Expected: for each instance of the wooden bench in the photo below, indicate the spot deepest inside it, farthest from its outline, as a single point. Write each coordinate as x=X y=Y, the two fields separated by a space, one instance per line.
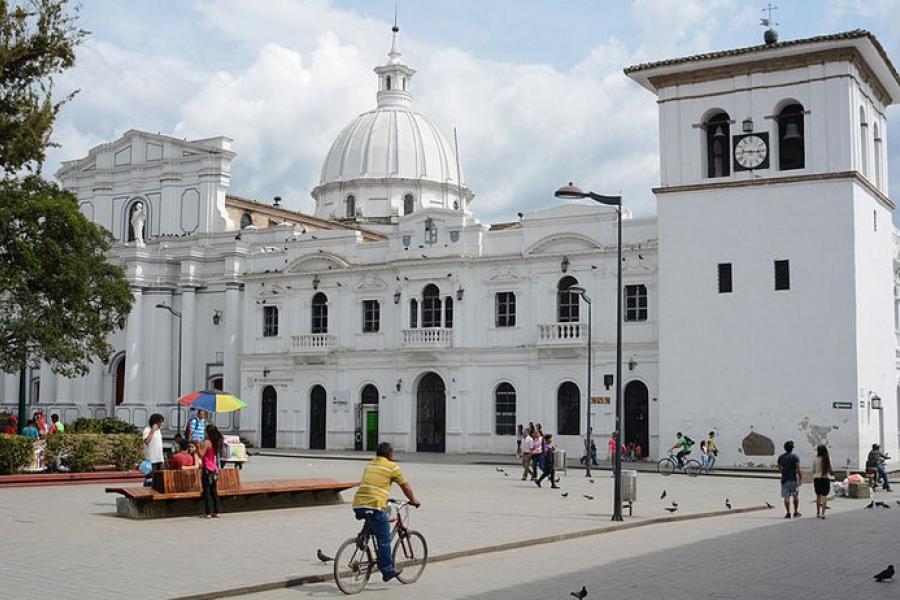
x=160 y=501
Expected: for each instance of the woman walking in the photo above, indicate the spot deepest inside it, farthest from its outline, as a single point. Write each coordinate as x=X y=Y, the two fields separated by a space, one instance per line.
x=209 y=450
x=549 y=465
x=821 y=472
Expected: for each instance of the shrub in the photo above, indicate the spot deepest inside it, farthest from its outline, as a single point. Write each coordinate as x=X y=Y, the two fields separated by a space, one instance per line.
x=81 y=452
x=16 y=453
x=105 y=425
x=125 y=450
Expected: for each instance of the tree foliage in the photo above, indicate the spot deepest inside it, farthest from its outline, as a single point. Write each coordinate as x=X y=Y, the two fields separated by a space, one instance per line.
x=38 y=39
x=59 y=296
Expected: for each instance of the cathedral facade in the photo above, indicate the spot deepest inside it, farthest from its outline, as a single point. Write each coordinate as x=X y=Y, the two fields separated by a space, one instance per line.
x=760 y=303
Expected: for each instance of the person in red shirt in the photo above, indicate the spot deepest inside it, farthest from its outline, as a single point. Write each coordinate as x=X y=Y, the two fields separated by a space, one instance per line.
x=184 y=458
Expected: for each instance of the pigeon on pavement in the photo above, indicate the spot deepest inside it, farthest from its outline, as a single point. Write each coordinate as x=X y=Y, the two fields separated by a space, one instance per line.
x=880 y=504
x=591 y=480
x=727 y=503
x=588 y=496
x=675 y=504
x=886 y=574
x=499 y=470
x=565 y=494
x=671 y=509
x=323 y=557
x=898 y=502
x=581 y=595
x=769 y=505
x=870 y=504
x=663 y=495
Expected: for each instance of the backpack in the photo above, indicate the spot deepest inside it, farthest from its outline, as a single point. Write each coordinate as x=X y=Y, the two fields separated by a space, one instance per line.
x=689 y=441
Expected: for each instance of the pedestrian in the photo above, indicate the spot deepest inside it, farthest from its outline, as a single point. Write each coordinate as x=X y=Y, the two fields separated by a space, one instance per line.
x=519 y=431
x=57 y=426
x=527 y=448
x=791 y=478
x=184 y=459
x=209 y=450
x=31 y=430
x=638 y=453
x=40 y=422
x=712 y=449
x=537 y=452
x=10 y=426
x=153 y=442
x=685 y=444
x=611 y=445
x=549 y=463
x=196 y=427
x=875 y=462
x=704 y=455
x=821 y=473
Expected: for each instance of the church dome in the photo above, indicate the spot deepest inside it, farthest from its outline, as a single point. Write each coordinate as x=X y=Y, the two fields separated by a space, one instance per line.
x=390 y=161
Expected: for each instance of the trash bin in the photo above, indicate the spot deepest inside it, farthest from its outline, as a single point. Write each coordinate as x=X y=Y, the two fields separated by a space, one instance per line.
x=629 y=486
x=559 y=461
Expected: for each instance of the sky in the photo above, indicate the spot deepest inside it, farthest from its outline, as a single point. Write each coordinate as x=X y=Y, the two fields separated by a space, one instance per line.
x=534 y=87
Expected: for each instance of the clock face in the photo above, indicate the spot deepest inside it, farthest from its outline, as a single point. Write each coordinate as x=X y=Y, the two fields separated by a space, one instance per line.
x=751 y=151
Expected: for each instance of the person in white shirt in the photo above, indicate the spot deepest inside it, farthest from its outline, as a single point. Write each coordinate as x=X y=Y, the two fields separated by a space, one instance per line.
x=153 y=442
x=527 y=449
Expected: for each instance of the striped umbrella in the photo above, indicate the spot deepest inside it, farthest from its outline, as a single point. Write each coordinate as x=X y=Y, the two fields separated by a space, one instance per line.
x=213 y=401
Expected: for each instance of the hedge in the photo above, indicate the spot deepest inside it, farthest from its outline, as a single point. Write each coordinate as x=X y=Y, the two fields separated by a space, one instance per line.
x=84 y=451
x=16 y=453
x=105 y=425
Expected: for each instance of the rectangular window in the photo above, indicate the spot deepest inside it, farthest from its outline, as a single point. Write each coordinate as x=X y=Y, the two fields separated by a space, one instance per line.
x=782 y=275
x=505 y=309
x=270 y=321
x=448 y=312
x=371 y=316
x=725 y=278
x=636 y=302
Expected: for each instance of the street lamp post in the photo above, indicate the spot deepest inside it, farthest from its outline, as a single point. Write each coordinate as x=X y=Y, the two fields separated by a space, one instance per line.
x=577 y=289
x=177 y=315
x=571 y=192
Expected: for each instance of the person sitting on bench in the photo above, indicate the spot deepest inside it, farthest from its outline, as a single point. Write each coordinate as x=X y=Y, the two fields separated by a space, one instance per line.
x=875 y=462
x=184 y=459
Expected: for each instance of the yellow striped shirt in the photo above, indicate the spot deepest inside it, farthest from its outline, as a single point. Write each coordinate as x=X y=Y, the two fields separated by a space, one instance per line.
x=375 y=487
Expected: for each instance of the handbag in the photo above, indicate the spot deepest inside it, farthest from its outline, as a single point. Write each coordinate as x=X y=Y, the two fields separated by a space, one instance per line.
x=145 y=467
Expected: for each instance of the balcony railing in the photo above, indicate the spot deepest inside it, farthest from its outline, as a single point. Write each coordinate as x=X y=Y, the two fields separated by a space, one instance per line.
x=427 y=338
x=562 y=333
x=311 y=343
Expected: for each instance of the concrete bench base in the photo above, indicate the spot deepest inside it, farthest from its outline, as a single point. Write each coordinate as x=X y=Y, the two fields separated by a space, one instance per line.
x=185 y=507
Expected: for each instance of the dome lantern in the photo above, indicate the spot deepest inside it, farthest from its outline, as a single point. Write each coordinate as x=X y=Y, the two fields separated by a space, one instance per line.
x=393 y=77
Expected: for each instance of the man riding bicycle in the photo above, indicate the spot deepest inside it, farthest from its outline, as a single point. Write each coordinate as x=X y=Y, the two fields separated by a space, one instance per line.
x=371 y=499
x=686 y=444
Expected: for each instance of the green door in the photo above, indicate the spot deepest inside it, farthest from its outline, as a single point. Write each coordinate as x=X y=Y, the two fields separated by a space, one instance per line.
x=371 y=429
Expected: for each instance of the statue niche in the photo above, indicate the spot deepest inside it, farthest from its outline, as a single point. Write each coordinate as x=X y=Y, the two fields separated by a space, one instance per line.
x=136 y=221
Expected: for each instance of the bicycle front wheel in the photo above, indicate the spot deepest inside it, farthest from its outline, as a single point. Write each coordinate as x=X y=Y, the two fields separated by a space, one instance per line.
x=665 y=467
x=410 y=553
x=352 y=566
x=692 y=468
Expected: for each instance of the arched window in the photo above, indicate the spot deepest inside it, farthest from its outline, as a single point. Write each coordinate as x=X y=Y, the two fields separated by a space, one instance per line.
x=388 y=83
x=790 y=138
x=505 y=409
x=369 y=394
x=568 y=409
x=718 y=133
x=351 y=206
x=413 y=313
x=431 y=306
x=319 y=313
x=448 y=312
x=409 y=204
x=863 y=142
x=878 y=157
x=566 y=302
x=246 y=220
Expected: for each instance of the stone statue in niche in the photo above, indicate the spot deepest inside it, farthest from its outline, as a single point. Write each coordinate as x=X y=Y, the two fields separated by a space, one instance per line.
x=138 y=218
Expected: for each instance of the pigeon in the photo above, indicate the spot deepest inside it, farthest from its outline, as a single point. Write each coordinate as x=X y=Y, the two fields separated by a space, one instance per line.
x=886 y=574
x=870 y=504
x=727 y=503
x=675 y=504
x=565 y=494
x=671 y=509
x=323 y=557
x=663 y=495
x=581 y=595
x=505 y=474
x=591 y=480
x=588 y=496
x=499 y=470
x=880 y=504
x=898 y=502
x=769 y=505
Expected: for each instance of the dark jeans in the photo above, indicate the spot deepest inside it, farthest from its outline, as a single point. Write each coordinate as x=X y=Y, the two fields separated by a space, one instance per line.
x=593 y=459
x=548 y=472
x=537 y=462
x=680 y=456
x=880 y=473
x=210 y=491
x=377 y=522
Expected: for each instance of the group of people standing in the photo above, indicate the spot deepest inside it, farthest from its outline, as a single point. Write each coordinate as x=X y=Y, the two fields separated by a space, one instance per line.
x=199 y=448
x=535 y=448
x=36 y=427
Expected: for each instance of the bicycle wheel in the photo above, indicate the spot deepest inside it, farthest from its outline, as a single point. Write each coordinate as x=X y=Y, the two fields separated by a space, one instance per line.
x=692 y=468
x=352 y=566
x=411 y=553
x=665 y=467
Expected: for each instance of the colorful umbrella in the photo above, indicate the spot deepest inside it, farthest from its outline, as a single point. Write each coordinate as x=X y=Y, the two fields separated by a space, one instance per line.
x=213 y=401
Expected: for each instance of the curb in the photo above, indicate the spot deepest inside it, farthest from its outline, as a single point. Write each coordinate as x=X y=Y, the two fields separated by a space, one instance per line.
x=549 y=539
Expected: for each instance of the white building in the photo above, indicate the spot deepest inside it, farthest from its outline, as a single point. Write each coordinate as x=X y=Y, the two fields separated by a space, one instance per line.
x=393 y=314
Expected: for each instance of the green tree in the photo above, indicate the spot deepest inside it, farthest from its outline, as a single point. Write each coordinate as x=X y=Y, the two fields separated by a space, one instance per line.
x=59 y=297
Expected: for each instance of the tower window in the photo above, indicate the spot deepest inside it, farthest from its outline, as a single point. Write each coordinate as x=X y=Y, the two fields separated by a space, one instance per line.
x=448 y=312
x=782 y=275
x=790 y=138
x=863 y=142
x=431 y=306
x=409 y=204
x=246 y=220
x=878 y=157
x=388 y=83
x=413 y=313
x=636 y=302
x=725 y=278
x=351 y=206
x=718 y=133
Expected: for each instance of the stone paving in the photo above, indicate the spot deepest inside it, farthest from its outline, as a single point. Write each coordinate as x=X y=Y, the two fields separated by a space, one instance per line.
x=72 y=533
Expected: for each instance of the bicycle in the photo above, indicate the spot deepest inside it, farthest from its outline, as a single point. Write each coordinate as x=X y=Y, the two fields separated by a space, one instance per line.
x=357 y=557
x=667 y=466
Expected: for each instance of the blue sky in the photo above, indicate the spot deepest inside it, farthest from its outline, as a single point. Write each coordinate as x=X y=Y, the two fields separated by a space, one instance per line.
x=534 y=86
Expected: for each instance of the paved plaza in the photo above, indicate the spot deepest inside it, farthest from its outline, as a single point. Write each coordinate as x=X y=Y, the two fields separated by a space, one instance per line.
x=73 y=532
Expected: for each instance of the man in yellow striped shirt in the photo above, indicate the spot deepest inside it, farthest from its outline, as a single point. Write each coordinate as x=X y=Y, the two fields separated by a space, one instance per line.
x=371 y=499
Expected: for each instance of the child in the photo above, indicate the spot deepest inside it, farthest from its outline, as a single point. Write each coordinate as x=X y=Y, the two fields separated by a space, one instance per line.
x=704 y=455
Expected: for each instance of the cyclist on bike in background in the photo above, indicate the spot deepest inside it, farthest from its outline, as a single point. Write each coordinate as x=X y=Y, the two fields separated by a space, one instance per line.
x=686 y=444
x=370 y=502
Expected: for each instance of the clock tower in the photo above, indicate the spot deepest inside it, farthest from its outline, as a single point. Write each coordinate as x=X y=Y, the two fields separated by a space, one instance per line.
x=776 y=247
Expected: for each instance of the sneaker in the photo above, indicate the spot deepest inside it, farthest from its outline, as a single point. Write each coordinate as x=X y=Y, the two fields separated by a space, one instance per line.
x=538 y=483
x=390 y=576
x=796 y=515
x=787 y=516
